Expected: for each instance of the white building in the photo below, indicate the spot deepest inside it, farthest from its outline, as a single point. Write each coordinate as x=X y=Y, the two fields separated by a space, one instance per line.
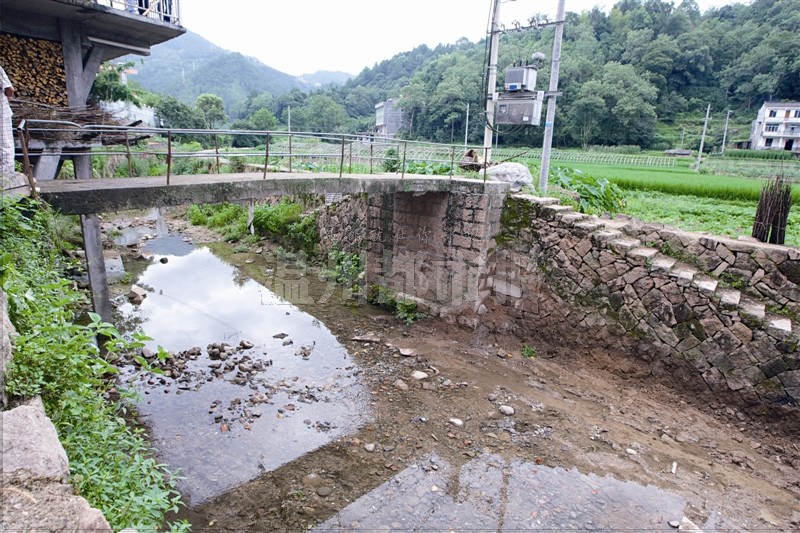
x=777 y=127
x=388 y=119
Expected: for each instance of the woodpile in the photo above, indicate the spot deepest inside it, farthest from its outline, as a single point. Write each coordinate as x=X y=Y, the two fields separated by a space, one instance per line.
x=36 y=69
x=772 y=212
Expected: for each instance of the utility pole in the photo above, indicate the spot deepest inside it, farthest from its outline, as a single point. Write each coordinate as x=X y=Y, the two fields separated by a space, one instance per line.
x=491 y=83
x=725 y=133
x=549 y=120
x=703 y=138
x=466 y=129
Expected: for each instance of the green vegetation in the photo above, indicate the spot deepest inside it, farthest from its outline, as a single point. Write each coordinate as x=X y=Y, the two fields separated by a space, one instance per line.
x=693 y=213
x=403 y=309
x=345 y=269
x=230 y=220
x=110 y=461
x=595 y=195
x=528 y=352
x=286 y=221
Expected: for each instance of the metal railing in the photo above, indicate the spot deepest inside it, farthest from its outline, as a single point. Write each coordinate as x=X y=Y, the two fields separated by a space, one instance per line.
x=274 y=151
x=164 y=10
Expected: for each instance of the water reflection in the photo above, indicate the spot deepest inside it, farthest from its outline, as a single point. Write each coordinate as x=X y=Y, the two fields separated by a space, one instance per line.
x=220 y=423
x=492 y=494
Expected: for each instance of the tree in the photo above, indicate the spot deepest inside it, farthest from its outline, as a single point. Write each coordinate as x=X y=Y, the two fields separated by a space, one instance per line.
x=321 y=114
x=175 y=114
x=263 y=120
x=108 y=85
x=212 y=109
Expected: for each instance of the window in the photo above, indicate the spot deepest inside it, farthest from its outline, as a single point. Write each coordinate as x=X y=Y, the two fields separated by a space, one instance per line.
x=773 y=113
x=772 y=126
x=797 y=113
x=768 y=143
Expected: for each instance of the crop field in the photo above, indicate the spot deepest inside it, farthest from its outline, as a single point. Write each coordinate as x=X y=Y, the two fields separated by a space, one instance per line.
x=731 y=218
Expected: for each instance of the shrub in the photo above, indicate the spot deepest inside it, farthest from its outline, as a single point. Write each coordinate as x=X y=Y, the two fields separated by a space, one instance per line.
x=285 y=220
x=595 y=194
x=344 y=268
x=386 y=298
x=111 y=464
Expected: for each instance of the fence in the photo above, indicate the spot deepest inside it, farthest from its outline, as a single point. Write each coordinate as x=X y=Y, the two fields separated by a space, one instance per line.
x=164 y=10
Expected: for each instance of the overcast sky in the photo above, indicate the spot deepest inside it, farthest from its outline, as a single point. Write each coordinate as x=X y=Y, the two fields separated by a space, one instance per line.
x=304 y=36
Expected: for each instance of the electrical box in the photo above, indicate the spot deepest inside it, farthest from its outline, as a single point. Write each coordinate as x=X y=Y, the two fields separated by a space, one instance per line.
x=519 y=110
x=520 y=79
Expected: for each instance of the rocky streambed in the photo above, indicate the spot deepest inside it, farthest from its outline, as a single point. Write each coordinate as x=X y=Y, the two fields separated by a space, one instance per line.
x=350 y=419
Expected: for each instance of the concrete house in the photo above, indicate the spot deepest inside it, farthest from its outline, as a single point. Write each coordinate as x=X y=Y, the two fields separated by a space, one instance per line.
x=777 y=127
x=388 y=119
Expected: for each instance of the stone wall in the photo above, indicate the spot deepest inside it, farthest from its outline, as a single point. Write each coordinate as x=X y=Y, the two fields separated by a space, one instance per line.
x=342 y=224
x=711 y=318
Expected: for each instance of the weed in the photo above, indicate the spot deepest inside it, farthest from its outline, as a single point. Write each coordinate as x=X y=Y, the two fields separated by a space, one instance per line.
x=405 y=310
x=595 y=195
x=528 y=352
x=344 y=268
x=111 y=464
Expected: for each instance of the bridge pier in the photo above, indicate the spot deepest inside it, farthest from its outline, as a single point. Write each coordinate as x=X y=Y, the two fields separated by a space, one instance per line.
x=96 y=266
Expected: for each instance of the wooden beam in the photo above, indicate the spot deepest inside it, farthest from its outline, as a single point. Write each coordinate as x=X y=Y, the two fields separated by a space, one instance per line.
x=96 y=265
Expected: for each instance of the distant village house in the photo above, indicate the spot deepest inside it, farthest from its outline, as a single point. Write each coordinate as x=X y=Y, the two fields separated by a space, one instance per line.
x=777 y=127
x=388 y=119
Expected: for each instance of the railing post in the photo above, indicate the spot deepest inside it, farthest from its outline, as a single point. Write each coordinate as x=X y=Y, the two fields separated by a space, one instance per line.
x=452 y=160
x=485 y=163
x=128 y=154
x=216 y=149
x=341 y=161
x=290 y=152
x=371 y=151
x=350 y=171
x=169 y=154
x=405 y=149
x=266 y=157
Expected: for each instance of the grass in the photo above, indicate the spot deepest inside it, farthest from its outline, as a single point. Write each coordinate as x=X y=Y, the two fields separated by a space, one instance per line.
x=730 y=218
x=680 y=181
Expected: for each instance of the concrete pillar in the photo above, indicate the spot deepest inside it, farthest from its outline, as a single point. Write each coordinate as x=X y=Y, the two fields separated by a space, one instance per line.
x=96 y=265
x=83 y=166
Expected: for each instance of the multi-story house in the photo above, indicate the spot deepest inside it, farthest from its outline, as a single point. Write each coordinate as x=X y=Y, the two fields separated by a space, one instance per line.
x=777 y=127
x=388 y=119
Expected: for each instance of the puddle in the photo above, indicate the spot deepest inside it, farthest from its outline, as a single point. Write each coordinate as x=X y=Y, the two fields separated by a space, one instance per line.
x=490 y=493
x=222 y=428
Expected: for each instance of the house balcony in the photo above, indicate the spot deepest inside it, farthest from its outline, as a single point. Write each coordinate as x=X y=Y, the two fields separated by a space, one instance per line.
x=121 y=26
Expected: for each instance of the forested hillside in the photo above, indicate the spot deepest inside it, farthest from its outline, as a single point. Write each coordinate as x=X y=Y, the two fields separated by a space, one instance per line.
x=641 y=74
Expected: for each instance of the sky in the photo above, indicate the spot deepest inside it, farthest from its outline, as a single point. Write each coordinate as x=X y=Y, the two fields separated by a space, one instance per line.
x=305 y=36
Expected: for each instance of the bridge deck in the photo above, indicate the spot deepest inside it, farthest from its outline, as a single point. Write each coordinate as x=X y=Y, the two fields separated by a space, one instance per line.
x=74 y=197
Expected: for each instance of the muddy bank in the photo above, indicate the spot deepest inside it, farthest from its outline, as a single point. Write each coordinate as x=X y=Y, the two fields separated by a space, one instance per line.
x=571 y=413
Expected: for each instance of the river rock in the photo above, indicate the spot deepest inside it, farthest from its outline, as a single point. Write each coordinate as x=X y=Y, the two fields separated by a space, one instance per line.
x=401 y=385
x=312 y=480
x=517 y=174
x=370 y=447
x=419 y=375
x=280 y=335
x=408 y=352
x=136 y=295
x=371 y=337
x=506 y=410
x=245 y=345
x=324 y=491
x=457 y=422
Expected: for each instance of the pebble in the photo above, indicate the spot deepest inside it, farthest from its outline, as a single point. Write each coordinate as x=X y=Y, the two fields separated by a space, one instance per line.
x=666 y=438
x=401 y=385
x=408 y=352
x=457 y=422
x=312 y=480
x=492 y=397
x=419 y=375
x=164 y=260
x=674 y=523
x=370 y=447
x=507 y=410
x=630 y=451
x=324 y=491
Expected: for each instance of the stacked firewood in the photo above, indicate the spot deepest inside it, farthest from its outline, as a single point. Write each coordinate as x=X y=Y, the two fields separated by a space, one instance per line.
x=36 y=69
x=34 y=111
x=772 y=212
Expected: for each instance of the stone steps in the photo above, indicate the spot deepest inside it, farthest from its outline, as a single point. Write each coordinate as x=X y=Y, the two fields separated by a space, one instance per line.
x=609 y=234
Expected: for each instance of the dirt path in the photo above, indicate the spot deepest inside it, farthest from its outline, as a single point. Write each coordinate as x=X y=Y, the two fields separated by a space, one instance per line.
x=593 y=411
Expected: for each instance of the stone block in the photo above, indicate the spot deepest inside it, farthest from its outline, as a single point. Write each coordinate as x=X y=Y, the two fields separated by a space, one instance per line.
x=774 y=367
x=31 y=449
x=505 y=288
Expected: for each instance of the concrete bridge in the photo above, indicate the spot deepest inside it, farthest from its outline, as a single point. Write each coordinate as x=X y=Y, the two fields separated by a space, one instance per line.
x=416 y=225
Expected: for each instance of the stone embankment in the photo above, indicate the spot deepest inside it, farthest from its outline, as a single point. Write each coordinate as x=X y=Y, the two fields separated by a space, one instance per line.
x=690 y=304
x=37 y=495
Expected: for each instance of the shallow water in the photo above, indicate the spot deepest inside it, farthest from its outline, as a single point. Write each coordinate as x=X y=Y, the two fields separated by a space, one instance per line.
x=222 y=429
x=492 y=494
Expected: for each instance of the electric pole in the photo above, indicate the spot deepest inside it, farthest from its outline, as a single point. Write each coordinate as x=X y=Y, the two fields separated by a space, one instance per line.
x=466 y=129
x=549 y=120
x=703 y=138
x=725 y=133
x=491 y=83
